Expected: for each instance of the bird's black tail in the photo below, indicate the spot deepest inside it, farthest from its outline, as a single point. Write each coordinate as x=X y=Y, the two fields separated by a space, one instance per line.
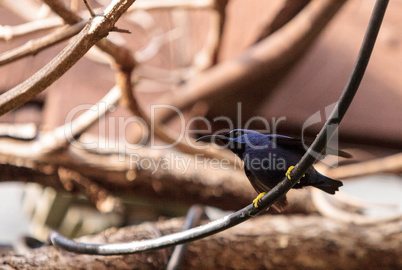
x=328 y=185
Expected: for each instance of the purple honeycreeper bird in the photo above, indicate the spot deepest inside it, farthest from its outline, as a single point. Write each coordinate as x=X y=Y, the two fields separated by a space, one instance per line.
x=268 y=158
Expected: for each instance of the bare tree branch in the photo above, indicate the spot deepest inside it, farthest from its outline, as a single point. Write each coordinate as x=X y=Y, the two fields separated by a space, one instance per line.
x=63 y=11
x=8 y=32
x=288 y=10
x=91 y=11
x=264 y=60
x=124 y=173
x=50 y=141
x=37 y=45
x=269 y=242
x=390 y=164
x=94 y=31
x=75 y=182
x=208 y=56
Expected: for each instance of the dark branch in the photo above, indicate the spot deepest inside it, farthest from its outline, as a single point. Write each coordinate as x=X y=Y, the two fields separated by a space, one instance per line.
x=91 y=11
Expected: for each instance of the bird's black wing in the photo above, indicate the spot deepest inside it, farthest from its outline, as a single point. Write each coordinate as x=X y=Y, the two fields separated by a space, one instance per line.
x=298 y=146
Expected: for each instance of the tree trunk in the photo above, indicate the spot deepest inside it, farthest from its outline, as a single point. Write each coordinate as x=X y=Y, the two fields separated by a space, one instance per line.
x=269 y=242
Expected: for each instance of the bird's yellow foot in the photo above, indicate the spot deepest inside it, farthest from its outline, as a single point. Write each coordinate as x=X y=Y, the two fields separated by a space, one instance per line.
x=290 y=169
x=256 y=200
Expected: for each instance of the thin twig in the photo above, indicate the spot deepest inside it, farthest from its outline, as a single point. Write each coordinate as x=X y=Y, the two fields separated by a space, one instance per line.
x=276 y=193
x=74 y=129
x=37 y=45
x=288 y=10
x=100 y=196
x=50 y=141
x=216 y=35
x=119 y=30
x=91 y=11
x=208 y=55
x=104 y=44
x=154 y=46
x=25 y=132
x=8 y=32
x=390 y=164
x=63 y=11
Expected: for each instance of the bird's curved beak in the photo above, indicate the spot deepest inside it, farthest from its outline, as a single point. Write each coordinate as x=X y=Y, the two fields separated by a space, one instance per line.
x=229 y=143
x=212 y=138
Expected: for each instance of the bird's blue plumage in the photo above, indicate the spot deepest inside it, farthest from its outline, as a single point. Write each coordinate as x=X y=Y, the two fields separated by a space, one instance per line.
x=267 y=158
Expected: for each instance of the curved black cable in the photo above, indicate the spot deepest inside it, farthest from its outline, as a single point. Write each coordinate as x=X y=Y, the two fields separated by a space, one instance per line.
x=278 y=191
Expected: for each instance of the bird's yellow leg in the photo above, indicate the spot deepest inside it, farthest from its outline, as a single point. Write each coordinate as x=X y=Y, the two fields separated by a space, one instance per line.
x=256 y=200
x=290 y=169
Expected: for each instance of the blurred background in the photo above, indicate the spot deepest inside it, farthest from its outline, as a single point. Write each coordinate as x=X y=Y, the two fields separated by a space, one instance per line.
x=236 y=59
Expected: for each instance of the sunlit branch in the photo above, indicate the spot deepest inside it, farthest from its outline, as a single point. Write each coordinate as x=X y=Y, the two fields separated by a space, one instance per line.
x=37 y=45
x=8 y=32
x=93 y=32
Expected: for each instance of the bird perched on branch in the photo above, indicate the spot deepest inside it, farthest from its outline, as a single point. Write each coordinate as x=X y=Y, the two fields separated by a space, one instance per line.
x=268 y=158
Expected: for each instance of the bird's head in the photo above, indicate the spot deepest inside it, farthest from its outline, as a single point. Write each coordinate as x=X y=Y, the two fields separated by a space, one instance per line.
x=235 y=140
